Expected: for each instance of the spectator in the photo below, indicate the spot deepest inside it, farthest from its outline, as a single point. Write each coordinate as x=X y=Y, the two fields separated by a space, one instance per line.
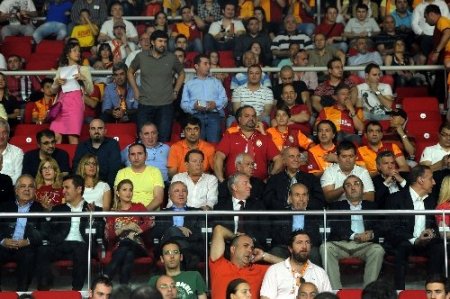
x=253 y=34
x=332 y=30
x=244 y=164
x=9 y=106
x=303 y=11
x=264 y=25
x=364 y=57
x=307 y=290
x=322 y=155
x=397 y=133
x=389 y=180
x=106 y=150
x=178 y=150
x=103 y=60
x=243 y=262
x=157 y=152
x=190 y=283
x=246 y=139
x=6 y=186
x=68 y=236
x=287 y=77
x=333 y=177
x=239 y=79
x=67 y=83
x=238 y=288
x=107 y=29
x=400 y=57
x=348 y=119
x=18 y=14
x=191 y=26
x=272 y=13
x=214 y=61
x=436 y=287
x=281 y=278
x=298 y=200
x=57 y=18
x=120 y=45
x=21 y=237
x=49 y=191
x=209 y=11
x=362 y=25
x=166 y=286
x=222 y=34
x=20 y=87
x=379 y=289
x=147 y=180
x=418 y=233
x=204 y=97
x=86 y=31
x=46 y=149
x=355 y=236
x=41 y=106
x=144 y=45
x=375 y=97
x=276 y=193
x=12 y=155
x=300 y=115
x=202 y=187
x=368 y=153
x=97 y=10
x=254 y=94
x=301 y=59
x=293 y=50
x=125 y=234
x=96 y=192
x=385 y=41
x=255 y=48
x=160 y=23
x=281 y=42
x=119 y=103
x=402 y=16
x=436 y=155
x=100 y=286
x=156 y=93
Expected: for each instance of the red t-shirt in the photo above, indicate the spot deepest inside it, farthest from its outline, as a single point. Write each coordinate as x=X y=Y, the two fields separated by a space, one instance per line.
x=261 y=147
x=223 y=271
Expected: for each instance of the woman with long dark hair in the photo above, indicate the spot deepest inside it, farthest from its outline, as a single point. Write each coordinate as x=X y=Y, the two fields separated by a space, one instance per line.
x=71 y=82
x=238 y=289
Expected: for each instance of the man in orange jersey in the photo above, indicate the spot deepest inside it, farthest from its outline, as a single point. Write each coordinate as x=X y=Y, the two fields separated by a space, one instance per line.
x=368 y=153
x=323 y=154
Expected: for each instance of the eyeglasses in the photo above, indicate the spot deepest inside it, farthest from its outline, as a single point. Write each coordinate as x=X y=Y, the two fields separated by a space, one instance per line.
x=90 y=163
x=167 y=286
x=48 y=142
x=171 y=252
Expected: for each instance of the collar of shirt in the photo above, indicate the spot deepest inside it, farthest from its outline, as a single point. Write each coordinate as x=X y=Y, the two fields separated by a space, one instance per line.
x=353 y=207
x=78 y=208
x=209 y=76
x=415 y=196
x=236 y=205
x=23 y=208
x=176 y=209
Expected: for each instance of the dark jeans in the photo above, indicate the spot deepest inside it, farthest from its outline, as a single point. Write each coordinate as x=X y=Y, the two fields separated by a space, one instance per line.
x=123 y=259
x=211 y=126
x=211 y=44
x=434 y=251
x=24 y=259
x=73 y=250
x=161 y=116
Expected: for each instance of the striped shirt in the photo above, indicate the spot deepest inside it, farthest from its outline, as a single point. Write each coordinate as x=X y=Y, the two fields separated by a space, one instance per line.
x=257 y=99
x=282 y=41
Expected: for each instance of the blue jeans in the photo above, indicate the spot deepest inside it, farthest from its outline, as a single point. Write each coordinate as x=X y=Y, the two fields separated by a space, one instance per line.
x=211 y=126
x=306 y=28
x=49 y=28
x=161 y=116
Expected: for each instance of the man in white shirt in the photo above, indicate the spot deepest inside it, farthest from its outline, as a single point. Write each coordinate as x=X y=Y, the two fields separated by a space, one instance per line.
x=418 y=235
x=12 y=155
x=18 y=13
x=202 y=187
x=283 y=279
x=436 y=156
x=332 y=180
x=362 y=25
x=107 y=30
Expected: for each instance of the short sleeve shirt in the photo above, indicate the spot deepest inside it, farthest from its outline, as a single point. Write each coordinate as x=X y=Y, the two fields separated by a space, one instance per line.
x=433 y=154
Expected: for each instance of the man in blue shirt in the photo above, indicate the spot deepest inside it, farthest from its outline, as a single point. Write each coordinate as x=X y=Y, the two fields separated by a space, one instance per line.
x=119 y=104
x=402 y=16
x=204 y=97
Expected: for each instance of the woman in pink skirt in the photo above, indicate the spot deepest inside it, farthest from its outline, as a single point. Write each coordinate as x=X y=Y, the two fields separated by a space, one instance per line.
x=71 y=82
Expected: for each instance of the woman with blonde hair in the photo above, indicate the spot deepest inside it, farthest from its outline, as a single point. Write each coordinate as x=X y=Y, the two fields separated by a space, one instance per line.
x=95 y=191
x=444 y=202
x=125 y=233
x=49 y=190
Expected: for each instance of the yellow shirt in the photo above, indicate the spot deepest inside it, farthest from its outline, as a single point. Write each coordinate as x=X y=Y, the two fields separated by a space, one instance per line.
x=84 y=35
x=443 y=24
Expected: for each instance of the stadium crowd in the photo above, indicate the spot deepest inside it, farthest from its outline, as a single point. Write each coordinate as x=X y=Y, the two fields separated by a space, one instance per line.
x=248 y=141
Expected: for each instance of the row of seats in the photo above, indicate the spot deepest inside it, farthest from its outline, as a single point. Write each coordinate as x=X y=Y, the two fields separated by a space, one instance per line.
x=44 y=295
x=357 y=294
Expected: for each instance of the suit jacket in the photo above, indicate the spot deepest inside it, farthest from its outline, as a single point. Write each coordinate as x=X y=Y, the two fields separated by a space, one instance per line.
x=257 y=191
x=341 y=225
x=32 y=229
x=56 y=229
x=281 y=228
x=278 y=185
x=401 y=228
x=382 y=192
x=255 y=226
x=6 y=189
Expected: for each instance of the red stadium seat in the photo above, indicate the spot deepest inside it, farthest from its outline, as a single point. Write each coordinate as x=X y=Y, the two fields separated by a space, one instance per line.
x=54 y=47
x=56 y=295
x=120 y=129
x=41 y=62
x=8 y=295
x=424 y=130
x=412 y=294
x=349 y=294
x=26 y=143
x=17 y=45
x=28 y=116
x=421 y=108
x=70 y=149
x=226 y=59
x=29 y=129
x=124 y=140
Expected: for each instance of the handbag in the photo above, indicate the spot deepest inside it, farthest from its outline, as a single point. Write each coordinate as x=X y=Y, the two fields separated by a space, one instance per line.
x=54 y=110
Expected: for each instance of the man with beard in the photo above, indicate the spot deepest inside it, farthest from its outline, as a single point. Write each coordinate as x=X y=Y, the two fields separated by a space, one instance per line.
x=157 y=91
x=46 y=149
x=246 y=139
x=105 y=148
x=353 y=236
x=284 y=278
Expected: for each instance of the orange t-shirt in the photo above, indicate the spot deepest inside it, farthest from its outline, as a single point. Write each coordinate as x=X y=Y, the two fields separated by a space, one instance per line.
x=367 y=157
x=340 y=118
x=443 y=24
x=289 y=138
x=179 y=149
x=317 y=163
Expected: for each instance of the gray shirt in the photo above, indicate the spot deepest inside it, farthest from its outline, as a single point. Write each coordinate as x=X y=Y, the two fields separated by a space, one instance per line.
x=157 y=76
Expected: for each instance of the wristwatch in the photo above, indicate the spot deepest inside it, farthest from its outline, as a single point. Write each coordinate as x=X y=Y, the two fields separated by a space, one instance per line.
x=377 y=92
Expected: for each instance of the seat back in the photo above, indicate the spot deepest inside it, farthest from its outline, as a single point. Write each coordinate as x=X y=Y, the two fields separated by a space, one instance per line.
x=412 y=294
x=70 y=149
x=8 y=295
x=349 y=294
x=17 y=45
x=56 y=295
x=54 y=47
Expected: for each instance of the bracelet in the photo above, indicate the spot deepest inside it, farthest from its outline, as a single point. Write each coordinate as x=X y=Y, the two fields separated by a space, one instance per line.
x=404 y=136
x=263 y=256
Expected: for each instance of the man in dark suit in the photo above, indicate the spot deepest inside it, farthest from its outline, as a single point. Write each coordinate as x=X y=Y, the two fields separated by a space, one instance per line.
x=389 y=180
x=256 y=226
x=353 y=235
x=278 y=185
x=67 y=237
x=415 y=234
x=298 y=200
x=21 y=236
x=185 y=230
